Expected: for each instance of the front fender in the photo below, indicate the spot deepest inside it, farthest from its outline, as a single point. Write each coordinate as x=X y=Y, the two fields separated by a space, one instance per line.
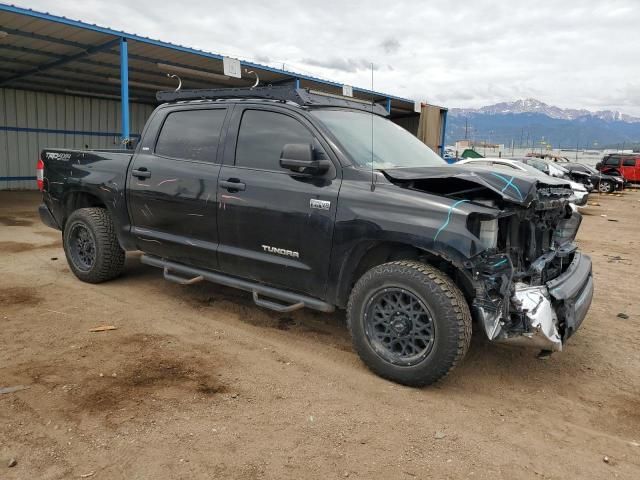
x=390 y=214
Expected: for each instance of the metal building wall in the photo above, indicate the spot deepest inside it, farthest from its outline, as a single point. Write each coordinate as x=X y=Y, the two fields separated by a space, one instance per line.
x=431 y=127
x=409 y=123
x=31 y=121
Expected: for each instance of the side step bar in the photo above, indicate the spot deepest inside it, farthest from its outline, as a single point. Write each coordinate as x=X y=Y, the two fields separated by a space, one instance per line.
x=190 y=275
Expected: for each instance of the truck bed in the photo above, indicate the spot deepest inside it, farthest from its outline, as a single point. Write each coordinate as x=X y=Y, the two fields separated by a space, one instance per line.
x=86 y=177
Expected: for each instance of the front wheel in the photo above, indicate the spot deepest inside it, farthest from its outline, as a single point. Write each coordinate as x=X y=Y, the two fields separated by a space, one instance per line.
x=409 y=322
x=606 y=186
x=91 y=245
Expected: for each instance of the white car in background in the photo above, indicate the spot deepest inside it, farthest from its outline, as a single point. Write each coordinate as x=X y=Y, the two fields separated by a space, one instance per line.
x=580 y=193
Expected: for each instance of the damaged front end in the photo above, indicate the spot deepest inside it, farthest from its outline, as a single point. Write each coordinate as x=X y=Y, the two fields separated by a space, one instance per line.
x=527 y=284
x=532 y=287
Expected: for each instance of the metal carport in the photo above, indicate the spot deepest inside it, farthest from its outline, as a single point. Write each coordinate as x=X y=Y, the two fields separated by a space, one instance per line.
x=66 y=83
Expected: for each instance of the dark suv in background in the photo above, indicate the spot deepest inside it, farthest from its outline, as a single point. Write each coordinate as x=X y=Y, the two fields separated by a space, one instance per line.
x=590 y=176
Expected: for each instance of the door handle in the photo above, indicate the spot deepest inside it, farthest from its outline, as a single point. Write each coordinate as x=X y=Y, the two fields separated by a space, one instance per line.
x=141 y=172
x=233 y=185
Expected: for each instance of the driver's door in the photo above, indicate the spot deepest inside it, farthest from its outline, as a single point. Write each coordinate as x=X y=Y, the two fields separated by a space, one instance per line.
x=271 y=227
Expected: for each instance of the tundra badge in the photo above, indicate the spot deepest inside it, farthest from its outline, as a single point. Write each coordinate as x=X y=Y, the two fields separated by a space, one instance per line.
x=320 y=204
x=281 y=251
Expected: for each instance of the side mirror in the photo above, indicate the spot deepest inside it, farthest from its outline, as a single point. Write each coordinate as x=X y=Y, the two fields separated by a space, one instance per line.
x=298 y=157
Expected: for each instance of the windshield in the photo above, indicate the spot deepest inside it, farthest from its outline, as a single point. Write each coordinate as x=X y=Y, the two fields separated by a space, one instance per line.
x=392 y=146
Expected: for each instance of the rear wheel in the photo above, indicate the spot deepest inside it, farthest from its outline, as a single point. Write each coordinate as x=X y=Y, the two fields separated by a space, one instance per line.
x=606 y=186
x=409 y=322
x=91 y=246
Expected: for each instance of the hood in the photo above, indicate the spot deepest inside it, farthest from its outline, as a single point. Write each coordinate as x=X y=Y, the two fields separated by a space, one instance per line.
x=513 y=186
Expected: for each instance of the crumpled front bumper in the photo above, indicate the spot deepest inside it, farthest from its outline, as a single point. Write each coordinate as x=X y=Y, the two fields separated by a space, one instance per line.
x=580 y=198
x=553 y=311
x=573 y=292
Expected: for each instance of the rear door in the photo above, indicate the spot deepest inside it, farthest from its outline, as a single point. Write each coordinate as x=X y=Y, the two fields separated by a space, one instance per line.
x=173 y=184
x=630 y=168
x=275 y=226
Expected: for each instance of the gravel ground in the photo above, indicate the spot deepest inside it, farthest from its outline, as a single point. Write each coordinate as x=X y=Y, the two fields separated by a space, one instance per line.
x=197 y=382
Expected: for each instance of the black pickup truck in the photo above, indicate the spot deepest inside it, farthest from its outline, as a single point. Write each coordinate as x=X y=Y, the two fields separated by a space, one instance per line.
x=311 y=200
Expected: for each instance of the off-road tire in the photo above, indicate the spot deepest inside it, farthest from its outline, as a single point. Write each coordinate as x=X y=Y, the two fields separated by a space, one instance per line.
x=606 y=186
x=109 y=256
x=443 y=299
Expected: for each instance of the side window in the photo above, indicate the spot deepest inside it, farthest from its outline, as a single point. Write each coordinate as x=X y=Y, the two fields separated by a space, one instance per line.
x=263 y=134
x=191 y=134
x=629 y=162
x=613 y=161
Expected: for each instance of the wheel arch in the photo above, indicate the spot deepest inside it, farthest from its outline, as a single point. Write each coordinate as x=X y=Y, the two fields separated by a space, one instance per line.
x=78 y=199
x=371 y=253
x=116 y=208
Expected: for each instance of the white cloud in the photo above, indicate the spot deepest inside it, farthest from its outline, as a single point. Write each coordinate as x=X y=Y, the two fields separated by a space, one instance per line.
x=574 y=53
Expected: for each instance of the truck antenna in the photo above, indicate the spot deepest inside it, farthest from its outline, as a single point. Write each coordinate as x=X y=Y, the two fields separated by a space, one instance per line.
x=373 y=181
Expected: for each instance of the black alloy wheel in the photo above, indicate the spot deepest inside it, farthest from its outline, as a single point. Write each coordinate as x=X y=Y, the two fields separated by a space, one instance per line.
x=82 y=246
x=409 y=322
x=399 y=326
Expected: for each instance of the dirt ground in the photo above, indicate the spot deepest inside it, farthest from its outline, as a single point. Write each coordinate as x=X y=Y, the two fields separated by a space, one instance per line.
x=197 y=382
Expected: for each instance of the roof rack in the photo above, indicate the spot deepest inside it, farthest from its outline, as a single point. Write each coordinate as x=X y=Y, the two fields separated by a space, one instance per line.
x=299 y=96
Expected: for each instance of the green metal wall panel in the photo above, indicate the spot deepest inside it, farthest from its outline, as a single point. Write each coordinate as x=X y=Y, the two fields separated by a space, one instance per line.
x=31 y=121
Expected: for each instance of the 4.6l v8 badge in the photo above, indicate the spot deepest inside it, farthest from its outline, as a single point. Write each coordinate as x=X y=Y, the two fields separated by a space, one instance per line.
x=320 y=204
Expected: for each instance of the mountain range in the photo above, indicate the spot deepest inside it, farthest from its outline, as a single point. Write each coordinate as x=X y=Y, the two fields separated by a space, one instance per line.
x=530 y=122
x=531 y=105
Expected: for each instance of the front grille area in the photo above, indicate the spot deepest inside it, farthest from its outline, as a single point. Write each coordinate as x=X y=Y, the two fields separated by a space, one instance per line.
x=531 y=239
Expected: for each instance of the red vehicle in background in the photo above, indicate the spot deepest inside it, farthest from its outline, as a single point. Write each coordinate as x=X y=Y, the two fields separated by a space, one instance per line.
x=625 y=165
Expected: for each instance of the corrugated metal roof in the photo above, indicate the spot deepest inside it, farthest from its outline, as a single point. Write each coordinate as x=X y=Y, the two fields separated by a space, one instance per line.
x=41 y=51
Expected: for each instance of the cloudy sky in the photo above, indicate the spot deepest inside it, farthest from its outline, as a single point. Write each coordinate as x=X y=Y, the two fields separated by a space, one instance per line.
x=463 y=53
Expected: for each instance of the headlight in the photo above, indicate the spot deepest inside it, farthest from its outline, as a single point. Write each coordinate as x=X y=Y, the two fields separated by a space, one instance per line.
x=489 y=233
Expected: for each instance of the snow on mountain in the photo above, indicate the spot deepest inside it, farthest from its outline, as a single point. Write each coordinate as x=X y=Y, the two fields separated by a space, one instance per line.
x=531 y=105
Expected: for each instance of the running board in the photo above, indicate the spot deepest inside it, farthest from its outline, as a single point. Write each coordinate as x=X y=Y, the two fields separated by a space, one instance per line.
x=187 y=275
x=179 y=280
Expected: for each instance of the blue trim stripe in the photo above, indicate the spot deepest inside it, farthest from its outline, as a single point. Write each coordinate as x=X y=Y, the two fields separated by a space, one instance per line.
x=448 y=218
x=501 y=262
x=508 y=183
x=63 y=132
x=15 y=179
